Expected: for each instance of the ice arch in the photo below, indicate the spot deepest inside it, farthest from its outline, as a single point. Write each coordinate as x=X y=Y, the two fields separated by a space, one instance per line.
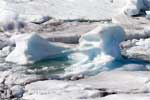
x=98 y=50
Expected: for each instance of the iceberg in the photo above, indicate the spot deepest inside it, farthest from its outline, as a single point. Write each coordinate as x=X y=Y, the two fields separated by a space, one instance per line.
x=98 y=50
x=31 y=48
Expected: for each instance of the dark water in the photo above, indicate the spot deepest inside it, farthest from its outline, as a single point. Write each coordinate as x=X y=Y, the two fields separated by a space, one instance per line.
x=49 y=67
x=57 y=66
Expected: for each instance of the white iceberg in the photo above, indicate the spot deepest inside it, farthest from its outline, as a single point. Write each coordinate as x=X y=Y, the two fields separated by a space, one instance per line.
x=97 y=50
x=31 y=48
x=147 y=3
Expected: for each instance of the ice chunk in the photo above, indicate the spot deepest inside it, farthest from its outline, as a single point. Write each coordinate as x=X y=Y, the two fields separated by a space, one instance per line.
x=98 y=50
x=105 y=37
x=31 y=48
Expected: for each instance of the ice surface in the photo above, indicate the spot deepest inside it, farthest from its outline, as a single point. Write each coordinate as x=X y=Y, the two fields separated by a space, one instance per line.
x=98 y=51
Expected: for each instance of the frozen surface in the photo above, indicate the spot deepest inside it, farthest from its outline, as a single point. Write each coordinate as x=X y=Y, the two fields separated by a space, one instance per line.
x=115 y=85
x=66 y=9
x=98 y=51
x=137 y=49
x=127 y=97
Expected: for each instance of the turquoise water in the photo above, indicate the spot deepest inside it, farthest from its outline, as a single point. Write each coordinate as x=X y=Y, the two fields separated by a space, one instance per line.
x=57 y=66
x=49 y=67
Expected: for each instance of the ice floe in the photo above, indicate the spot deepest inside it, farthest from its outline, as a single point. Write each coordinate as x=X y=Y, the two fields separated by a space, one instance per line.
x=98 y=50
x=31 y=48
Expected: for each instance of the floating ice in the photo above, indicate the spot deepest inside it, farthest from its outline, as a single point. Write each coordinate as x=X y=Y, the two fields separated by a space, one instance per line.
x=31 y=48
x=98 y=50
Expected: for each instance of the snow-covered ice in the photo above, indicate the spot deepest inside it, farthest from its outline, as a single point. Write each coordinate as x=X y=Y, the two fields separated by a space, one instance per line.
x=67 y=9
x=98 y=50
x=31 y=48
